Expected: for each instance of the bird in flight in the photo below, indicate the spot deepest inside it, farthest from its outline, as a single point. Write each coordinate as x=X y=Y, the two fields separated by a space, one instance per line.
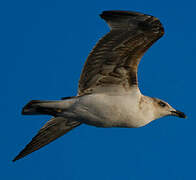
x=108 y=92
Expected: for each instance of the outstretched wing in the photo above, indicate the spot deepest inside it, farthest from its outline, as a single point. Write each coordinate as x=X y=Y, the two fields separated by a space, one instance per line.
x=114 y=60
x=53 y=129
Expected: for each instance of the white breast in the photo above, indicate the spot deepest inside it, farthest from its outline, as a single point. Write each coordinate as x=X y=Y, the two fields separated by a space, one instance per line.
x=110 y=110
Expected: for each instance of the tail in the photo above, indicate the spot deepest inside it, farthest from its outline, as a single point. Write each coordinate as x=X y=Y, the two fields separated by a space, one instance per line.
x=36 y=107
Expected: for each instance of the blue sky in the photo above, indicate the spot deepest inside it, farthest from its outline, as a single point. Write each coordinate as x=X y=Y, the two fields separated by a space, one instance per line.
x=43 y=47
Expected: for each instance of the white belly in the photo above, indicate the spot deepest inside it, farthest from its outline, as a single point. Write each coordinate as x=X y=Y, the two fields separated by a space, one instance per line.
x=105 y=110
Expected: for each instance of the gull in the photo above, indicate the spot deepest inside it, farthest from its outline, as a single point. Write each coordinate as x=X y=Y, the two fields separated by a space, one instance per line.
x=108 y=92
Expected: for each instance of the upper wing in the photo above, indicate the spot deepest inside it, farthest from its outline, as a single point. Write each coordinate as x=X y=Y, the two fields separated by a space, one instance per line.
x=115 y=58
x=53 y=129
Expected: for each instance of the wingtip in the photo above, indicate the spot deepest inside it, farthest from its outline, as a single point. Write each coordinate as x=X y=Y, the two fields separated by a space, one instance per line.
x=114 y=13
x=118 y=19
x=19 y=156
x=15 y=159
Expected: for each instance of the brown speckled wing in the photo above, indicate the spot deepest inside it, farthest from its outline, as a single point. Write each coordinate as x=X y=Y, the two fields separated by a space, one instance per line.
x=115 y=58
x=53 y=129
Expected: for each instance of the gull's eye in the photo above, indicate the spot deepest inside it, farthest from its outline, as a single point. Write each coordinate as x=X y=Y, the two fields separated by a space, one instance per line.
x=162 y=104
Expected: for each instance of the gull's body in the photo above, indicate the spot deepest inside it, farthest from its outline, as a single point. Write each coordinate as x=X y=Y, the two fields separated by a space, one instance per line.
x=112 y=109
x=108 y=93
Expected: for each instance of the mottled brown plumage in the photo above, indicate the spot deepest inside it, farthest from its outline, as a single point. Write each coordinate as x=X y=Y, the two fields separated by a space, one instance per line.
x=115 y=58
x=113 y=62
x=53 y=129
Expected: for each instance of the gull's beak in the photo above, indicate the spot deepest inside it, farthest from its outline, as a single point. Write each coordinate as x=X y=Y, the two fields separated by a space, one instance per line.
x=178 y=114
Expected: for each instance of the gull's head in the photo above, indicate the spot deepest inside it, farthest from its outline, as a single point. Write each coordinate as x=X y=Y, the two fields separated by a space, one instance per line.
x=164 y=109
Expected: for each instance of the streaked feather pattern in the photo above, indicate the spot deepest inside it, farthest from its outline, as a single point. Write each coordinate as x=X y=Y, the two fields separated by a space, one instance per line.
x=115 y=58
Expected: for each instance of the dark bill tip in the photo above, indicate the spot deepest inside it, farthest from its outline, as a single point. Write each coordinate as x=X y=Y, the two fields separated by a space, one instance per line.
x=179 y=114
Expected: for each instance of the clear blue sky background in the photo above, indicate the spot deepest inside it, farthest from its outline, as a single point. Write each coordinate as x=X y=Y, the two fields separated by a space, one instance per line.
x=43 y=46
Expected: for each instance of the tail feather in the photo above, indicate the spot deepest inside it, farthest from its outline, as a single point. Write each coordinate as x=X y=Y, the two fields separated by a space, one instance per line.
x=36 y=107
